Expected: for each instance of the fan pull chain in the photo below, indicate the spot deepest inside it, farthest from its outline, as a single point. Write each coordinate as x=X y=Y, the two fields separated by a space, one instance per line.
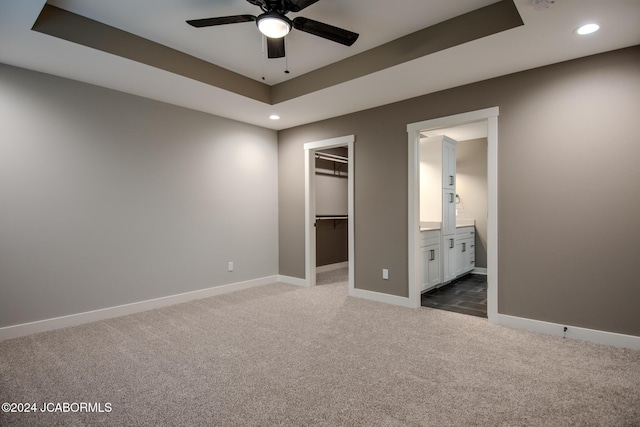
x=264 y=58
x=286 y=58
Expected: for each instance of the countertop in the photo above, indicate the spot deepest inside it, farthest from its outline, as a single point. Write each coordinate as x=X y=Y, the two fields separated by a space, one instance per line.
x=429 y=226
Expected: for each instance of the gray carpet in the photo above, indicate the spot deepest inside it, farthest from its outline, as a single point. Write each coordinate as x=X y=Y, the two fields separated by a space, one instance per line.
x=291 y=356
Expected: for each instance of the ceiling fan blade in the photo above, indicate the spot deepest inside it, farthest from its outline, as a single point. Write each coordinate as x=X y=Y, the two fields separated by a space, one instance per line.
x=325 y=31
x=275 y=47
x=210 y=22
x=298 y=5
x=259 y=3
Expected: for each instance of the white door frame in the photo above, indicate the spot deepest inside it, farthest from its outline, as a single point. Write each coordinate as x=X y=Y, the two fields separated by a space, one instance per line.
x=413 y=130
x=310 y=149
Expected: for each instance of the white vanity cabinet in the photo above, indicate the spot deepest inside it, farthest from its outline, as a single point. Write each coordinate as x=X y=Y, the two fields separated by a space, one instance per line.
x=430 y=257
x=446 y=257
x=465 y=253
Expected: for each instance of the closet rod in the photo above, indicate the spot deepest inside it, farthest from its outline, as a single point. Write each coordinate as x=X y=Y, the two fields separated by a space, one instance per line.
x=325 y=217
x=332 y=157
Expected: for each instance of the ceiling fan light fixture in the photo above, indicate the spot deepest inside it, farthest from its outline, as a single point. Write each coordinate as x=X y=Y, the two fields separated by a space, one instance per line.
x=273 y=25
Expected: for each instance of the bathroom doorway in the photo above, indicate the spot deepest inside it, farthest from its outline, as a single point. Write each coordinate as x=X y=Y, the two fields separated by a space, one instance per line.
x=489 y=118
x=466 y=291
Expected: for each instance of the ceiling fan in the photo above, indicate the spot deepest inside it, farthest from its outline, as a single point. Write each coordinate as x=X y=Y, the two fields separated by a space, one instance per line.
x=275 y=25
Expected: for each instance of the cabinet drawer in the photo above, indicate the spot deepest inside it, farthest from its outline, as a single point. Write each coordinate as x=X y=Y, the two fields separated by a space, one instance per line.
x=465 y=232
x=431 y=237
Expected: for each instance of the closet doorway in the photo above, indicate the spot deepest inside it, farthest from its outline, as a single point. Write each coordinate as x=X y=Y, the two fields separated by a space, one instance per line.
x=329 y=208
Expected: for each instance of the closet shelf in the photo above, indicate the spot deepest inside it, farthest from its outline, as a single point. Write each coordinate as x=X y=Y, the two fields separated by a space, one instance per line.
x=332 y=157
x=323 y=217
x=335 y=218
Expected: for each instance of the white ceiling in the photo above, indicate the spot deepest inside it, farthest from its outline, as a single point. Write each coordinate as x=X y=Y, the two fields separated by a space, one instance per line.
x=547 y=37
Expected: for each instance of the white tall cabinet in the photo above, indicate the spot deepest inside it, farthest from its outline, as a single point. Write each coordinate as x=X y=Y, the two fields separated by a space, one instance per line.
x=438 y=195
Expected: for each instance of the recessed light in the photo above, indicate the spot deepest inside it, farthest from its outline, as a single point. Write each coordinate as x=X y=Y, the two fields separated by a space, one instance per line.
x=274 y=117
x=585 y=29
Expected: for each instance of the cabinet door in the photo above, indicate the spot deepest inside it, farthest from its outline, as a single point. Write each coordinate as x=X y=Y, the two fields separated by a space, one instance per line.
x=448 y=212
x=448 y=164
x=430 y=276
x=463 y=261
x=433 y=278
x=448 y=258
x=424 y=265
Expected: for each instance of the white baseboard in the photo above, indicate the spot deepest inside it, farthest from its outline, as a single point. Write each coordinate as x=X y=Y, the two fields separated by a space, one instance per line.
x=380 y=297
x=592 y=335
x=331 y=267
x=23 y=329
x=479 y=270
x=293 y=281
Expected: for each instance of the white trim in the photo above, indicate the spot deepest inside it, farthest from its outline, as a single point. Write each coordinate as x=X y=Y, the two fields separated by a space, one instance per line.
x=574 y=332
x=455 y=120
x=293 y=281
x=479 y=270
x=413 y=130
x=331 y=267
x=23 y=329
x=310 y=208
x=380 y=297
x=309 y=217
x=492 y=217
x=330 y=143
x=413 y=231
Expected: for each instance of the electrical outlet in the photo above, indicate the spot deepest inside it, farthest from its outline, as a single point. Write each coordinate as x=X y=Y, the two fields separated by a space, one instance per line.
x=230 y=266
x=385 y=274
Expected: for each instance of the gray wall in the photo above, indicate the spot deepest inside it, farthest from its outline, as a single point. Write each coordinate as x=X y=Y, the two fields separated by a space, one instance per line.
x=471 y=186
x=568 y=188
x=108 y=198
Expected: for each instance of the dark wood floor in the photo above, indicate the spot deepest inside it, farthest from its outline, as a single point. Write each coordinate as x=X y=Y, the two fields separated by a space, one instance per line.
x=466 y=295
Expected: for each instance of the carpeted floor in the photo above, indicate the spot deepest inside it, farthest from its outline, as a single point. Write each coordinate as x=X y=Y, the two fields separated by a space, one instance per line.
x=291 y=356
x=333 y=276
